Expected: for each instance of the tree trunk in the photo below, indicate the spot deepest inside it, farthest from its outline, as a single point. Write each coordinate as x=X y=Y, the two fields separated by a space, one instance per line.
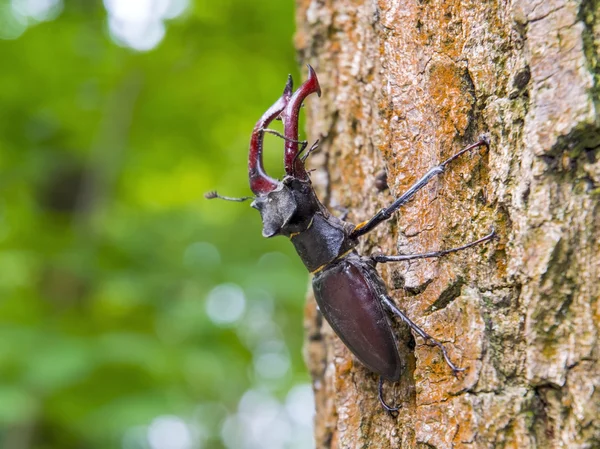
x=405 y=85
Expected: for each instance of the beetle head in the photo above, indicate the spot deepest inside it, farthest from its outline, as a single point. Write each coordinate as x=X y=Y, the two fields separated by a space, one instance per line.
x=284 y=205
x=287 y=209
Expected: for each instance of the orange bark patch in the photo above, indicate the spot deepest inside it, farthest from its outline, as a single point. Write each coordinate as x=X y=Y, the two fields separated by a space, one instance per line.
x=448 y=88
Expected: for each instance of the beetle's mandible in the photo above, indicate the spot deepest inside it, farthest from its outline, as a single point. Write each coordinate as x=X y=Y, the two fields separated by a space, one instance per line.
x=349 y=291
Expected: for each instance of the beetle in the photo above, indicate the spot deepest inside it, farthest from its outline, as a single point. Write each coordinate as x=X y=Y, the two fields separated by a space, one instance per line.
x=349 y=291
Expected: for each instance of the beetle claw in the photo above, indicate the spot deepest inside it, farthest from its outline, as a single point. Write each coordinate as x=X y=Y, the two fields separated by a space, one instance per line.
x=455 y=369
x=485 y=138
x=391 y=410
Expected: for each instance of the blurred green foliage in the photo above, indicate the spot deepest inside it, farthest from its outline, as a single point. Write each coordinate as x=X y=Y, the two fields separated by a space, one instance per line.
x=108 y=248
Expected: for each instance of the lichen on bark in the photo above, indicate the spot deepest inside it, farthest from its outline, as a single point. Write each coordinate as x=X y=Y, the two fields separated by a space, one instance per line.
x=406 y=84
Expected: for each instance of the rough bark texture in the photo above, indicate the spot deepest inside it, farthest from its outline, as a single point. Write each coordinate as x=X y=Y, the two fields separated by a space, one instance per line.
x=406 y=84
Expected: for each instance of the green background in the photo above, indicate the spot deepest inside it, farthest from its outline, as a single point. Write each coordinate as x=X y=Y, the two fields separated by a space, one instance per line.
x=109 y=252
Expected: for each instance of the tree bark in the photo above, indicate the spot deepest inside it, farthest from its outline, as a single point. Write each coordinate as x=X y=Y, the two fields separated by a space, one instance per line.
x=405 y=85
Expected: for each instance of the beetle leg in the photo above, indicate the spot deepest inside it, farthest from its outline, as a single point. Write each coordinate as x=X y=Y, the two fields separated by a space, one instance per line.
x=403 y=257
x=389 y=303
x=312 y=148
x=387 y=407
x=385 y=214
x=303 y=144
x=344 y=212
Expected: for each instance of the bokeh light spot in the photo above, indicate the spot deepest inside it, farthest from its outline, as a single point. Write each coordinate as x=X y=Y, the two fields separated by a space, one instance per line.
x=175 y=8
x=131 y=10
x=139 y=24
x=263 y=422
x=202 y=255
x=225 y=304
x=139 y=35
x=300 y=404
x=12 y=24
x=170 y=432
x=38 y=10
x=271 y=360
x=273 y=260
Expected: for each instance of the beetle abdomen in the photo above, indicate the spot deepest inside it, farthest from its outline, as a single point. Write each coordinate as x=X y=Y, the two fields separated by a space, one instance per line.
x=350 y=304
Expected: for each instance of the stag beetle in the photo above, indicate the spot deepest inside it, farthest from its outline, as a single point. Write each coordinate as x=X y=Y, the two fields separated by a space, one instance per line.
x=349 y=291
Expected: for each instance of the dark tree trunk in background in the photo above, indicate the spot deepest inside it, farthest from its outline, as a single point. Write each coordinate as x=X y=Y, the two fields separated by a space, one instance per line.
x=406 y=84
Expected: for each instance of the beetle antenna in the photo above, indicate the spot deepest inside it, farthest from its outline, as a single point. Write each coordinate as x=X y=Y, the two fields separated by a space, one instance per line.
x=389 y=409
x=212 y=195
x=287 y=139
